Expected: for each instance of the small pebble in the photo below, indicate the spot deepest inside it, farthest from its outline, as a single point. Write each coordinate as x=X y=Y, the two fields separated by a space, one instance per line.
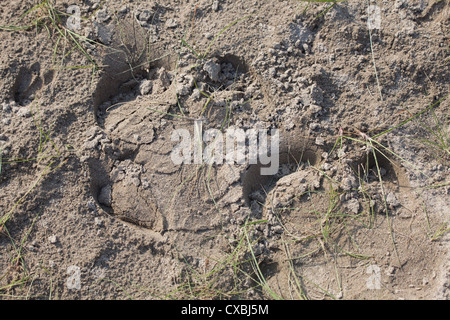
x=171 y=23
x=98 y=221
x=320 y=141
x=53 y=239
x=215 y=5
x=391 y=200
x=24 y=112
x=145 y=87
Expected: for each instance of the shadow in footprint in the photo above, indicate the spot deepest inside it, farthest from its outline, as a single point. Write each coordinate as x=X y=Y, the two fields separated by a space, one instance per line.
x=28 y=81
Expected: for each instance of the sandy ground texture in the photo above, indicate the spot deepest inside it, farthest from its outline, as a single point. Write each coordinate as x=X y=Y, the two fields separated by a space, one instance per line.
x=93 y=206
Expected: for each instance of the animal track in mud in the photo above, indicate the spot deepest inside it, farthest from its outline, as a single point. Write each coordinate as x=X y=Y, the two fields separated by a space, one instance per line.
x=294 y=149
x=302 y=173
x=327 y=221
x=126 y=125
x=134 y=135
x=137 y=131
x=125 y=59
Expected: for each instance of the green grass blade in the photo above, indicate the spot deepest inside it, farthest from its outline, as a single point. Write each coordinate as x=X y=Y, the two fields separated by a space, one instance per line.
x=411 y=118
x=258 y=271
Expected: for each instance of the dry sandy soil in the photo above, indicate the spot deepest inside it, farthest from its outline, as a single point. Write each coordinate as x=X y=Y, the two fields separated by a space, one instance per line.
x=93 y=207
